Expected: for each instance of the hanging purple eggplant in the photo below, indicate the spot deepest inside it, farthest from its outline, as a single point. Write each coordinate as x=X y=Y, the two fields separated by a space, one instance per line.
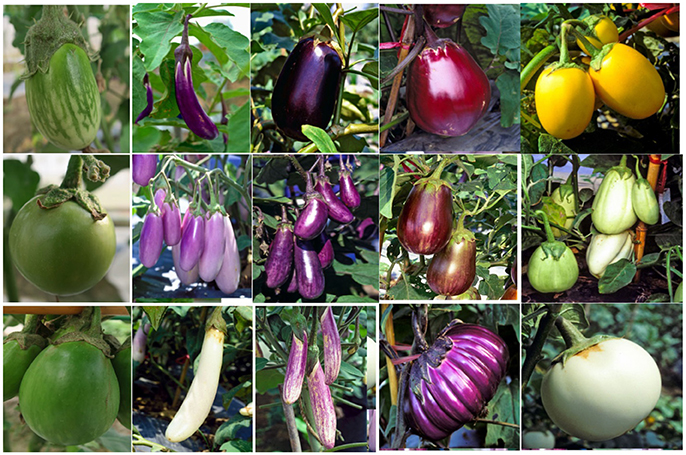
x=192 y=242
x=337 y=210
x=171 y=218
x=280 y=261
x=308 y=269
x=326 y=254
x=213 y=250
x=349 y=194
x=332 y=346
x=151 y=239
x=150 y=100
x=295 y=369
x=229 y=276
x=312 y=220
x=143 y=168
x=193 y=114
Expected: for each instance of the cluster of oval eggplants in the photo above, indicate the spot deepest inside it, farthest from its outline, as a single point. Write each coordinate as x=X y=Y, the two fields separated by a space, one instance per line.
x=203 y=245
x=300 y=252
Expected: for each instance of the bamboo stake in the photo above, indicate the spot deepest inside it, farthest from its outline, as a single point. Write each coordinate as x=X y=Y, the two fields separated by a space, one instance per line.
x=390 y=337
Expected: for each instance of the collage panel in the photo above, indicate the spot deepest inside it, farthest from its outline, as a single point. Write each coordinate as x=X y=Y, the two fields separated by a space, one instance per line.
x=313 y=65
x=461 y=210
x=67 y=78
x=460 y=91
x=192 y=381
x=315 y=246
x=602 y=376
x=191 y=227
x=315 y=378
x=66 y=223
x=191 y=83
x=449 y=376
x=613 y=85
x=66 y=379
x=602 y=228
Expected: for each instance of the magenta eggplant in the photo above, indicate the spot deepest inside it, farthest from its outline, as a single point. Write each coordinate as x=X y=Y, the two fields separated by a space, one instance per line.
x=171 y=218
x=230 y=274
x=193 y=114
x=337 y=210
x=192 y=242
x=452 y=381
x=151 y=240
x=332 y=346
x=280 y=261
x=349 y=194
x=322 y=406
x=213 y=249
x=160 y=196
x=308 y=269
x=326 y=254
x=312 y=220
x=295 y=370
x=148 y=107
x=143 y=168
x=307 y=87
x=293 y=283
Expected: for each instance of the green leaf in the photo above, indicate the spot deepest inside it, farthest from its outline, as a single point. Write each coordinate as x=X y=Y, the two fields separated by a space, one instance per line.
x=325 y=11
x=234 y=44
x=20 y=182
x=616 y=276
x=410 y=291
x=260 y=363
x=239 y=131
x=320 y=138
x=366 y=274
x=138 y=89
x=267 y=379
x=156 y=30
x=502 y=31
x=155 y=314
x=358 y=19
x=229 y=429
x=508 y=84
x=237 y=445
x=387 y=191
x=350 y=372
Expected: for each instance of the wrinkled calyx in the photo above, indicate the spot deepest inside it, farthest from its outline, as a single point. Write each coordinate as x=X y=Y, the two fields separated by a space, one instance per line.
x=575 y=341
x=84 y=327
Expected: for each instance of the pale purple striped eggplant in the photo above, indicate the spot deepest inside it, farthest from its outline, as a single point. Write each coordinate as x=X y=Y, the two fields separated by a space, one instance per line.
x=192 y=242
x=230 y=274
x=326 y=254
x=322 y=406
x=213 y=251
x=349 y=194
x=143 y=168
x=151 y=240
x=452 y=381
x=149 y=98
x=337 y=210
x=280 y=261
x=171 y=217
x=295 y=370
x=186 y=277
x=332 y=346
x=308 y=269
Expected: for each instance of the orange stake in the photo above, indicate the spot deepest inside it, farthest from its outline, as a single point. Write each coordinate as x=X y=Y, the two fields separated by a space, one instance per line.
x=642 y=228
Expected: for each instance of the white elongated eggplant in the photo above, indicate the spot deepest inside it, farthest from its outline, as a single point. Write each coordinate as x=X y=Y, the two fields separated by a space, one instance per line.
x=607 y=249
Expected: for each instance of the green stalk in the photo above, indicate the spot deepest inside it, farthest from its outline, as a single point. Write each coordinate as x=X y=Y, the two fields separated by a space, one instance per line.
x=546 y=224
x=572 y=335
x=535 y=64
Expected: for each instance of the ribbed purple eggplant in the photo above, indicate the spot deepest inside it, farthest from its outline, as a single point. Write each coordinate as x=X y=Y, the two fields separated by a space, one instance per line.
x=452 y=381
x=349 y=194
x=213 y=250
x=312 y=219
x=193 y=114
x=337 y=210
x=308 y=269
x=280 y=261
x=143 y=168
x=326 y=254
x=192 y=242
x=186 y=277
x=230 y=274
x=171 y=218
x=306 y=90
x=150 y=101
x=151 y=240
x=322 y=406
x=332 y=346
x=295 y=370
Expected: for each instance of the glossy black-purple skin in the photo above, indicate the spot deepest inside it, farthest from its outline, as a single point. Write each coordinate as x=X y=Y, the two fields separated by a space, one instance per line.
x=326 y=254
x=312 y=219
x=192 y=242
x=151 y=243
x=306 y=90
x=149 y=98
x=143 y=168
x=308 y=269
x=280 y=261
x=349 y=194
x=337 y=210
x=171 y=218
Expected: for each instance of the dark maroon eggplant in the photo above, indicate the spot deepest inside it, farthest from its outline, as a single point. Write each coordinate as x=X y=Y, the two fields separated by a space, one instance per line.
x=326 y=254
x=193 y=114
x=447 y=91
x=453 y=269
x=308 y=269
x=442 y=16
x=171 y=218
x=143 y=168
x=148 y=107
x=349 y=194
x=307 y=88
x=295 y=369
x=452 y=381
x=426 y=220
x=332 y=346
x=337 y=210
x=151 y=240
x=192 y=242
x=213 y=250
x=312 y=220
x=280 y=261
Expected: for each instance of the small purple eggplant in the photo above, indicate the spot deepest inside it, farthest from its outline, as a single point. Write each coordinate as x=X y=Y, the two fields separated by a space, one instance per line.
x=213 y=252
x=143 y=168
x=293 y=283
x=192 y=242
x=160 y=196
x=295 y=370
x=171 y=218
x=229 y=275
x=349 y=194
x=280 y=261
x=337 y=210
x=326 y=253
x=186 y=277
x=151 y=240
x=308 y=269
x=150 y=100
x=332 y=346
x=312 y=220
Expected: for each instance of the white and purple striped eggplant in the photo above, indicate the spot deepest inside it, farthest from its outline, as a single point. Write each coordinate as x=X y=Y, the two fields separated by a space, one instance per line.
x=332 y=346
x=151 y=239
x=143 y=168
x=213 y=251
x=322 y=406
x=192 y=112
x=452 y=381
x=150 y=100
x=192 y=242
x=295 y=370
x=230 y=274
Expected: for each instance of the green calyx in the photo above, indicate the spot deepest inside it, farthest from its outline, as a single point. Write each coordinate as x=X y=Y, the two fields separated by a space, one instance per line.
x=28 y=336
x=597 y=60
x=216 y=321
x=47 y=35
x=621 y=170
x=552 y=248
x=460 y=233
x=84 y=327
x=574 y=340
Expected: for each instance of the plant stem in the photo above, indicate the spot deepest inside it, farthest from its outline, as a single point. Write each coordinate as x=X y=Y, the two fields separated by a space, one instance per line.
x=535 y=64
x=355 y=128
x=418 y=47
x=292 y=428
x=533 y=352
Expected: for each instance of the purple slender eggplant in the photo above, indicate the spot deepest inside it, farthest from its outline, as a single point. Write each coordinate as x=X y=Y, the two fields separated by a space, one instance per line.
x=193 y=114
x=293 y=283
x=322 y=406
x=160 y=196
x=151 y=240
x=325 y=253
x=186 y=277
x=349 y=194
x=150 y=100
x=295 y=370
x=308 y=269
x=306 y=90
x=171 y=218
x=337 y=210
x=312 y=220
x=192 y=242
x=280 y=261
x=332 y=346
x=230 y=274
x=143 y=168
x=213 y=251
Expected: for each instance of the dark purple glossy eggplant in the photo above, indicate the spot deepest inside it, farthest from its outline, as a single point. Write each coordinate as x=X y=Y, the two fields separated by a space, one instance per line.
x=326 y=254
x=193 y=114
x=349 y=194
x=213 y=250
x=292 y=282
x=308 y=269
x=332 y=346
x=447 y=91
x=312 y=220
x=148 y=108
x=295 y=370
x=453 y=380
x=192 y=242
x=171 y=218
x=442 y=16
x=307 y=88
x=426 y=220
x=337 y=210
x=453 y=269
x=143 y=168
x=280 y=261
x=151 y=240
x=322 y=406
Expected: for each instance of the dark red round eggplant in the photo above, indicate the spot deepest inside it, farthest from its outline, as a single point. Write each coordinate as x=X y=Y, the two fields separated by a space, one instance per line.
x=151 y=240
x=452 y=381
x=326 y=254
x=337 y=210
x=192 y=243
x=280 y=261
x=442 y=16
x=306 y=90
x=171 y=219
x=349 y=194
x=453 y=269
x=143 y=168
x=308 y=270
x=426 y=220
x=212 y=255
x=447 y=92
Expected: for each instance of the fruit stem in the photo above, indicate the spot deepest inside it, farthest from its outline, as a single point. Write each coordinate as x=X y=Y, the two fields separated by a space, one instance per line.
x=622 y=162
x=593 y=50
x=535 y=64
x=216 y=321
x=564 y=51
x=439 y=169
x=284 y=214
x=572 y=335
x=73 y=178
x=546 y=225
x=31 y=322
x=419 y=324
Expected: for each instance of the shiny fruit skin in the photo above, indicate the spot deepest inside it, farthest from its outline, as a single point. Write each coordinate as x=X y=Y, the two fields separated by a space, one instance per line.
x=612 y=207
x=604 y=250
x=628 y=83
x=442 y=16
x=62 y=251
x=447 y=91
x=426 y=220
x=15 y=362
x=308 y=269
x=122 y=367
x=453 y=269
x=605 y=30
x=564 y=101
